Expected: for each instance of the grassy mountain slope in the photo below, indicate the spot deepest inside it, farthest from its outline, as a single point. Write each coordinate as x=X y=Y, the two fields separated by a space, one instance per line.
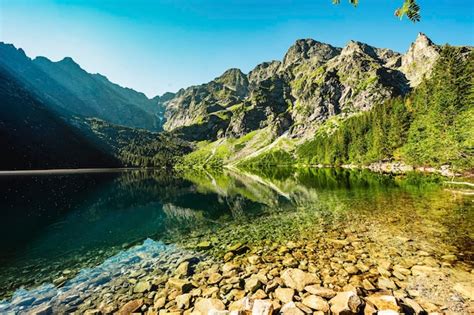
x=433 y=125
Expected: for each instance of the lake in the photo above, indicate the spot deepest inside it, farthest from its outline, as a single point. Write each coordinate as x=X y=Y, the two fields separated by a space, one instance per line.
x=59 y=232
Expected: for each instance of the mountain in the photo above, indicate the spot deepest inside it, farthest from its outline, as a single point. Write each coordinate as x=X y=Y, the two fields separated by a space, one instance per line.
x=327 y=105
x=65 y=87
x=313 y=82
x=33 y=137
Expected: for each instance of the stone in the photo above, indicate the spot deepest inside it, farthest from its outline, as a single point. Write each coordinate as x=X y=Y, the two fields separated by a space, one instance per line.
x=465 y=289
x=46 y=309
x=183 y=301
x=229 y=266
x=423 y=270
x=409 y=306
x=413 y=293
x=142 y=286
x=252 y=284
x=259 y=295
x=228 y=256
x=304 y=308
x=366 y=284
x=383 y=302
x=320 y=291
x=181 y=285
x=285 y=295
x=207 y=292
x=214 y=278
x=130 y=307
x=262 y=307
x=160 y=302
x=203 y=305
x=316 y=303
x=385 y=283
x=383 y=272
x=345 y=303
x=298 y=279
x=362 y=267
x=351 y=269
x=449 y=258
x=203 y=245
x=290 y=309
x=290 y=262
x=238 y=248
x=183 y=269
x=254 y=259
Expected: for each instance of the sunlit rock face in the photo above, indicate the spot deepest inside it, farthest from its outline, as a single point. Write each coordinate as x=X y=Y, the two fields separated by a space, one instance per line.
x=419 y=59
x=312 y=83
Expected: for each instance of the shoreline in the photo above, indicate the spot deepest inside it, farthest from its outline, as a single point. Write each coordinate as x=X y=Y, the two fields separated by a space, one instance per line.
x=54 y=171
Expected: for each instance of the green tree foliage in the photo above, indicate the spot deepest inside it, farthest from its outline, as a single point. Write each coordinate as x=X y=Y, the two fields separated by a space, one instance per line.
x=434 y=125
x=409 y=9
x=138 y=147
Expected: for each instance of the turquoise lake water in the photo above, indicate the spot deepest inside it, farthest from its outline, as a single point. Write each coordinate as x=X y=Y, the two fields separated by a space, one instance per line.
x=54 y=226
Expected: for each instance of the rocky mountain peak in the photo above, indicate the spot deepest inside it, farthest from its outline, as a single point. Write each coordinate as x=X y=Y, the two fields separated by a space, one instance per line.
x=235 y=80
x=264 y=71
x=304 y=49
x=419 y=59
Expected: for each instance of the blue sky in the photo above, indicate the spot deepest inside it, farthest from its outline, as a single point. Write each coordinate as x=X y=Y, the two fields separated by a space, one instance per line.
x=163 y=45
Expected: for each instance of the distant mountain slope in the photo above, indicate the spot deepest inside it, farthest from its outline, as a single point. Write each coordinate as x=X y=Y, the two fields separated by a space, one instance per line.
x=65 y=86
x=312 y=83
x=33 y=137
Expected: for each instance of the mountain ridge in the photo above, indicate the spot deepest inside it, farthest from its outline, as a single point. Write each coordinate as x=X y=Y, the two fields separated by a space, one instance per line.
x=67 y=88
x=312 y=82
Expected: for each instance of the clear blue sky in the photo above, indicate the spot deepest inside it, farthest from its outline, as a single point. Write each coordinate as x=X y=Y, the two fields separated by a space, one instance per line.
x=163 y=45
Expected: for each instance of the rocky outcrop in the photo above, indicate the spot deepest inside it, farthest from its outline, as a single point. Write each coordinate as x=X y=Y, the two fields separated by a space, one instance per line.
x=419 y=59
x=312 y=83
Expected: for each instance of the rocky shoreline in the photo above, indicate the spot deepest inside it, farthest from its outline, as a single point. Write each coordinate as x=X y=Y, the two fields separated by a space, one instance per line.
x=309 y=259
x=342 y=271
x=328 y=276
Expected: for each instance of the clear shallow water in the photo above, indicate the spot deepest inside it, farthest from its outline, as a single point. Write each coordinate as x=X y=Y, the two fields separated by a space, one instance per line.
x=60 y=225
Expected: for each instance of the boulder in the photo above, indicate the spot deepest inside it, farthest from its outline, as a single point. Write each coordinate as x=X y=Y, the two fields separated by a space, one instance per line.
x=285 y=295
x=411 y=307
x=252 y=284
x=383 y=302
x=290 y=309
x=320 y=291
x=183 y=301
x=298 y=279
x=214 y=278
x=316 y=303
x=130 y=307
x=142 y=286
x=203 y=306
x=262 y=307
x=345 y=303
x=181 y=285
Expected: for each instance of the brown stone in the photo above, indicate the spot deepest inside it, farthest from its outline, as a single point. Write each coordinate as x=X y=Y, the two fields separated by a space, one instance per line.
x=130 y=307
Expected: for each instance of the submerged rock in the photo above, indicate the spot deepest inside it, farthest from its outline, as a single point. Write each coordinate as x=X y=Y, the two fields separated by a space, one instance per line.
x=130 y=307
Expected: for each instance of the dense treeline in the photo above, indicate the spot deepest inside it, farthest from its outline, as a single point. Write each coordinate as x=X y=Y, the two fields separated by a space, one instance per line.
x=138 y=147
x=433 y=125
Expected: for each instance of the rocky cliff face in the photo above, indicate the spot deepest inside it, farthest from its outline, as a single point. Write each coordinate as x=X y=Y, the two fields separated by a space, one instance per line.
x=419 y=59
x=313 y=82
